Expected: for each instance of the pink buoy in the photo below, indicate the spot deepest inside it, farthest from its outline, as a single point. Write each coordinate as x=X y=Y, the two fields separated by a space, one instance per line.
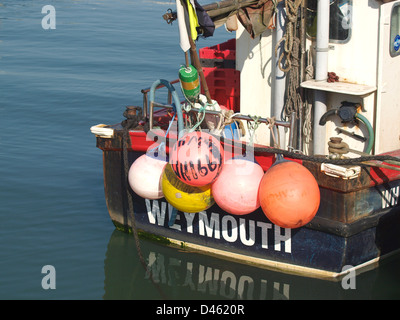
x=145 y=176
x=197 y=158
x=236 y=189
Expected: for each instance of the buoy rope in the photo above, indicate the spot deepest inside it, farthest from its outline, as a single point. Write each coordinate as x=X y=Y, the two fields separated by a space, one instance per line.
x=252 y=126
x=125 y=139
x=170 y=125
x=202 y=110
x=271 y=124
x=132 y=123
x=226 y=119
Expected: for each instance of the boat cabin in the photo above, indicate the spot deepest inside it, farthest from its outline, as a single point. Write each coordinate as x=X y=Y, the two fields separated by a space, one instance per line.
x=358 y=41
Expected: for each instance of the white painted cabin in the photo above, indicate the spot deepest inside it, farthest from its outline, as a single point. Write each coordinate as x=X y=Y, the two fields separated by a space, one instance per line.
x=366 y=58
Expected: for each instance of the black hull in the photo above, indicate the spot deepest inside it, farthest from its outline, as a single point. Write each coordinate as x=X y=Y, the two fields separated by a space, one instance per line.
x=352 y=228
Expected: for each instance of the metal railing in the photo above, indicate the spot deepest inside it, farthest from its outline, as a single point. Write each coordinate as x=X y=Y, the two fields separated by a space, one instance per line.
x=145 y=97
x=148 y=112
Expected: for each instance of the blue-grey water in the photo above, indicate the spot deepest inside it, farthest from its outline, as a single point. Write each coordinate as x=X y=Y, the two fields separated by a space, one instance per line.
x=54 y=85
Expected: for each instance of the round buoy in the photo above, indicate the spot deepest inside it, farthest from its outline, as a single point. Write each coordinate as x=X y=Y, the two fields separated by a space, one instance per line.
x=183 y=197
x=197 y=158
x=144 y=176
x=289 y=195
x=189 y=79
x=236 y=189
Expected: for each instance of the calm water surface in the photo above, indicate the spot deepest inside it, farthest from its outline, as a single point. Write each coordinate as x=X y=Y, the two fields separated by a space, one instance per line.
x=55 y=84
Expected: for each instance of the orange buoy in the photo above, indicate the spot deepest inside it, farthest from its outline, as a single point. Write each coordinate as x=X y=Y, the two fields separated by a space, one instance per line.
x=289 y=195
x=236 y=189
x=197 y=158
x=144 y=176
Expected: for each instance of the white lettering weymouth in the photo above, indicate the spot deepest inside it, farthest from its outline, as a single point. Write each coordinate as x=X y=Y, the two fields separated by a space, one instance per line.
x=222 y=227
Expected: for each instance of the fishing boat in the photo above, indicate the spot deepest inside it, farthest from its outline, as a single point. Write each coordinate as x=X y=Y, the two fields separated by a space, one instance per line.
x=279 y=148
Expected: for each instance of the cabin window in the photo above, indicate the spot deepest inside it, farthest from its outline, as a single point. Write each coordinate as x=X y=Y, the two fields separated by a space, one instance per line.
x=339 y=23
x=395 y=31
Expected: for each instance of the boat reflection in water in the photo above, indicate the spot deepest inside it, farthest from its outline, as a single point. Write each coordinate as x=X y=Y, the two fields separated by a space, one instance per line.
x=181 y=275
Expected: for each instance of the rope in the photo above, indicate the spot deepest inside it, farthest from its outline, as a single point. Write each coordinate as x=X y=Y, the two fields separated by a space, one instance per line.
x=132 y=122
x=271 y=124
x=293 y=101
x=202 y=110
x=226 y=118
x=307 y=127
x=291 y=54
x=275 y=5
x=350 y=161
x=291 y=7
x=307 y=116
x=252 y=127
x=125 y=137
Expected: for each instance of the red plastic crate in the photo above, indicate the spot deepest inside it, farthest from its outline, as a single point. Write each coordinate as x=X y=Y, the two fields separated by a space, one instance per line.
x=223 y=80
x=224 y=87
x=216 y=77
x=225 y=50
x=226 y=97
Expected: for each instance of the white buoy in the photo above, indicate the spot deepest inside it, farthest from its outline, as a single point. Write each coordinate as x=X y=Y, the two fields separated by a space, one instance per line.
x=145 y=176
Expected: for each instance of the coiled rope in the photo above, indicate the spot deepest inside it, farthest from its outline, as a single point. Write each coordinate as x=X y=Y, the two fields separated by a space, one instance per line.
x=292 y=7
